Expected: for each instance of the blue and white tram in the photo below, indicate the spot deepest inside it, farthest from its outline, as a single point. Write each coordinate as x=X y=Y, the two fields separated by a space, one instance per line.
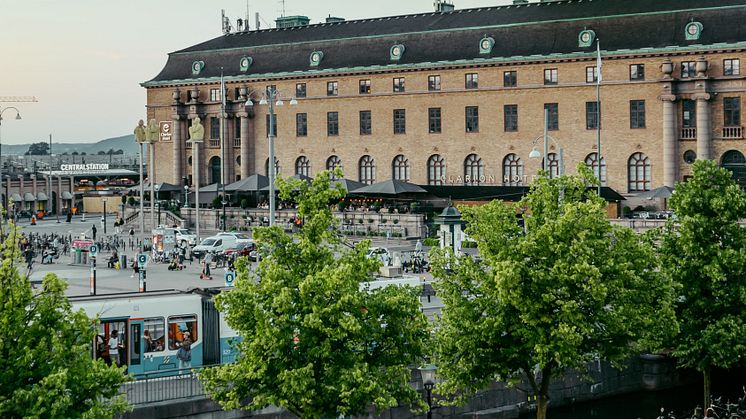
x=151 y=327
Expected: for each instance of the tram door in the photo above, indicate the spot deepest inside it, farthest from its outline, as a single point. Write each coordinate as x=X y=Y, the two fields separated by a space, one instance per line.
x=135 y=349
x=105 y=329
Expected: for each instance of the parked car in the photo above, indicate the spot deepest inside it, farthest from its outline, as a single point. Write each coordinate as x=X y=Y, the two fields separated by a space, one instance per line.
x=240 y=249
x=240 y=237
x=185 y=237
x=215 y=244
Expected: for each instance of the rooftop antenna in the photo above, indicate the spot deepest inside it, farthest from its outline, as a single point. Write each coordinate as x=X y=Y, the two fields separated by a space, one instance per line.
x=283 y=7
x=226 y=23
x=247 y=15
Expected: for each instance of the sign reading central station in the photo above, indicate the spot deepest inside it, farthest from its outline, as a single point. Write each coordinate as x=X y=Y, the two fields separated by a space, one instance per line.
x=84 y=168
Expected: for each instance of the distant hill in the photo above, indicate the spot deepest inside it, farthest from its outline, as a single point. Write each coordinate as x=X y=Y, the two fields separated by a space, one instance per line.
x=125 y=142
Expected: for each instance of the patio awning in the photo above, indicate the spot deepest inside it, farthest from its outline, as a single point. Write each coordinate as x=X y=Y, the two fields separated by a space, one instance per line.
x=41 y=196
x=253 y=183
x=16 y=197
x=29 y=197
x=390 y=187
x=67 y=195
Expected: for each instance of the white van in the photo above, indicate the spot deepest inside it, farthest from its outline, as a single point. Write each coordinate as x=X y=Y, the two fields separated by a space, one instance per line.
x=215 y=244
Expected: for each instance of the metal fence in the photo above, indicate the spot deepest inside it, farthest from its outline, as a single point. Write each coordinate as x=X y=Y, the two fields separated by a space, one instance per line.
x=164 y=385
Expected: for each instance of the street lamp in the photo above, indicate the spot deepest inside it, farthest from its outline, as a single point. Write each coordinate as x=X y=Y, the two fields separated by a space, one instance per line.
x=186 y=196
x=104 y=201
x=428 y=381
x=18 y=116
x=535 y=153
x=272 y=98
x=158 y=203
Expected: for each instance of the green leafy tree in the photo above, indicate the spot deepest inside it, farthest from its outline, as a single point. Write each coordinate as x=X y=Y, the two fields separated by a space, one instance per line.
x=46 y=368
x=38 y=149
x=314 y=342
x=704 y=250
x=563 y=290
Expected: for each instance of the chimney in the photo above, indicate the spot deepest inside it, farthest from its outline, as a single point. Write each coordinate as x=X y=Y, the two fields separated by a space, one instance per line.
x=442 y=6
x=333 y=19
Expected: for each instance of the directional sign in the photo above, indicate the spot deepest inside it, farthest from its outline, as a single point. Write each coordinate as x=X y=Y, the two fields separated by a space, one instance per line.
x=142 y=260
x=230 y=278
x=93 y=250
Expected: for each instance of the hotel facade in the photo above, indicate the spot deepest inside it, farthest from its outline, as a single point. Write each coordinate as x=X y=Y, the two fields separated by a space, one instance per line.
x=458 y=97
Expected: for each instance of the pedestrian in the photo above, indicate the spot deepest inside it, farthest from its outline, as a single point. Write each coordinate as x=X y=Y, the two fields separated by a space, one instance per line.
x=135 y=268
x=184 y=354
x=93 y=232
x=114 y=346
x=29 y=258
x=206 y=266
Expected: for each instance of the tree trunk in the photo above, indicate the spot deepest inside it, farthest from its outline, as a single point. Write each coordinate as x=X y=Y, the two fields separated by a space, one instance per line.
x=706 y=375
x=543 y=402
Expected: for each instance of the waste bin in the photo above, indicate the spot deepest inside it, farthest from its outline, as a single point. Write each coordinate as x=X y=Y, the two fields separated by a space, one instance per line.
x=77 y=257
x=123 y=261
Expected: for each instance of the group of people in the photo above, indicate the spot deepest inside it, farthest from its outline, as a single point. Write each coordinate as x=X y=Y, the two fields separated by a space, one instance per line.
x=111 y=349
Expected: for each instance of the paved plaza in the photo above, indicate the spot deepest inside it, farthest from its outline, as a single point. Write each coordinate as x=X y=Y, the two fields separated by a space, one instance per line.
x=110 y=280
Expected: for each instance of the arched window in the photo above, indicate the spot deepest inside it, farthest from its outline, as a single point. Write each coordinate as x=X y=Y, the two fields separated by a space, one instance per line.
x=735 y=162
x=591 y=161
x=367 y=170
x=553 y=166
x=400 y=168
x=332 y=163
x=512 y=170
x=303 y=166
x=266 y=166
x=473 y=170
x=214 y=169
x=639 y=173
x=436 y=170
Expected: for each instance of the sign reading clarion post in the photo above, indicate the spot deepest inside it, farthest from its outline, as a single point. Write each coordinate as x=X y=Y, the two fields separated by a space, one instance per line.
x=166 y=130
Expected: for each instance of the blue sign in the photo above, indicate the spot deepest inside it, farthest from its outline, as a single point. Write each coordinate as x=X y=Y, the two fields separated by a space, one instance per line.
x=93 y=250
x=230 y=278
x=142 y=260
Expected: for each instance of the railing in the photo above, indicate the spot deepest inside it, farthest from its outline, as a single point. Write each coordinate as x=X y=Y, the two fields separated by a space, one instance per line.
x=236 y=142
x=214 y=143
x=689 y=133
x=188 y=144
x=732 y=132
x=164 y=385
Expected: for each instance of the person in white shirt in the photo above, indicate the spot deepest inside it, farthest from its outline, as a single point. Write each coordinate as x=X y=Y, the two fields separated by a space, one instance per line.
x=114 y=348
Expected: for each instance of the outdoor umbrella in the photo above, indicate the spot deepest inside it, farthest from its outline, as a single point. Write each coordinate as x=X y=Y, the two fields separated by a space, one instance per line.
x=253 y=183
x=297 y=177
x=390 y=187
x=664 y=192
x=347 y=184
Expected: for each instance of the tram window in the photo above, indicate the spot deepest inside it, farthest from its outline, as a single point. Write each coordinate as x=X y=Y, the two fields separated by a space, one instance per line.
x=135 y=347
x=177 y=325
x=155 y=329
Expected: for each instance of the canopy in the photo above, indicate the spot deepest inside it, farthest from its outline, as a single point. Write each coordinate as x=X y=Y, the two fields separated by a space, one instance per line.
x=41 y=196
x=162 y=187
x=16 y=197
x=210 y=188
x=253 y=183
x=347 y=184
x=660 y=192
x=296 y=177
x=67 y=195
x=29 y=197
x=390 y=187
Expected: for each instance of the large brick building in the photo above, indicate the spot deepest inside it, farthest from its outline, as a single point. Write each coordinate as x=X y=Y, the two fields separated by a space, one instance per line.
x=458 y=97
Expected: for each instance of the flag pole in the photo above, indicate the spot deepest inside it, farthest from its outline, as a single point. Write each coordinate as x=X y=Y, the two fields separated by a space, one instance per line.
x=598 y=111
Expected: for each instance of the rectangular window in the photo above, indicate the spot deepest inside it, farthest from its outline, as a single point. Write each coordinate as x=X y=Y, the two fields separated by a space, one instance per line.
x=687 y=69
x=553 y=123
x=400 y=121
x=364 y=87
x=732 y=111
x=591 y=115
x=398 y=84
x=271 y=89
x=300 y=90
x=637 y=114
x=274 y=125
x=177 y=326
x=433 y=120
x=731 y=67
x=332 y=88
x=332 y=124
x=214 y=128
x=433 y=83
x=591 y=74
x=550 y=76
x=637 y=72
x=237 y=131
x=689 y=114
x=471 y=81
x=472 y=119
x=301 y=124
x=215 y=95
x=511 y=117
x=154 y=334
x=366 y=123
x=510 y=79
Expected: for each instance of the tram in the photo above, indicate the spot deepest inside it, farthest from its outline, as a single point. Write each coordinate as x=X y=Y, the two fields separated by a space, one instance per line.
x=151 y=327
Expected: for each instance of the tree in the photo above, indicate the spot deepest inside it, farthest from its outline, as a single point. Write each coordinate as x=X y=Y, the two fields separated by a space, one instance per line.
x=101 y=153
x=38 y=149
x=565 y=289
x=314 y=341
x=46 y=368
x=704 y=250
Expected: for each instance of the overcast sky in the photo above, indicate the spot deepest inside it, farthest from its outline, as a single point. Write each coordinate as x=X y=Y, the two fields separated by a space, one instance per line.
x=84 y=59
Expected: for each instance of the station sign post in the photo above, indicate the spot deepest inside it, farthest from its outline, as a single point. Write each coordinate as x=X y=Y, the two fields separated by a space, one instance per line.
x=92 y=252
x=142 y=263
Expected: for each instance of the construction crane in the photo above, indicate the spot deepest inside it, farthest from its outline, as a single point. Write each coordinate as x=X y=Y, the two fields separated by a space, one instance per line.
x=18 y=99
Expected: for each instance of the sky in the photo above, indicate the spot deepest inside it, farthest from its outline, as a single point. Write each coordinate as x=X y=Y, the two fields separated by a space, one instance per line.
x=84 y=60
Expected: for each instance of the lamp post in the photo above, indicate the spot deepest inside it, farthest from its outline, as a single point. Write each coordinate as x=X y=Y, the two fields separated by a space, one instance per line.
x=271 y=97
x=428 y=381
x=18 y=116
x=104 y=201
x=186 y=196
x=158 y=203
x=535 y=153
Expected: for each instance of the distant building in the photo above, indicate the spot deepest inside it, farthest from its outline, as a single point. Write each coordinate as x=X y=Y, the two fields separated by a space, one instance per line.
x=458 y=96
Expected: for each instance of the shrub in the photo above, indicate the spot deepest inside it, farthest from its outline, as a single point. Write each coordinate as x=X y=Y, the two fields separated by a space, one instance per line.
x=431 y=242
x=244 y=203
x=396 y=221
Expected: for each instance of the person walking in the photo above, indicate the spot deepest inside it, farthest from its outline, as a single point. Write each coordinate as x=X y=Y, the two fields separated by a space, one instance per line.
x=184 y=354
x=93 y=232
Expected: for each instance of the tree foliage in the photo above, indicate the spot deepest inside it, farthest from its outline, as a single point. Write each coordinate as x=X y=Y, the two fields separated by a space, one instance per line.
x=562 y=290
x=704 y=250
x=46 y=368
x=313 y=341
x=38 y=149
